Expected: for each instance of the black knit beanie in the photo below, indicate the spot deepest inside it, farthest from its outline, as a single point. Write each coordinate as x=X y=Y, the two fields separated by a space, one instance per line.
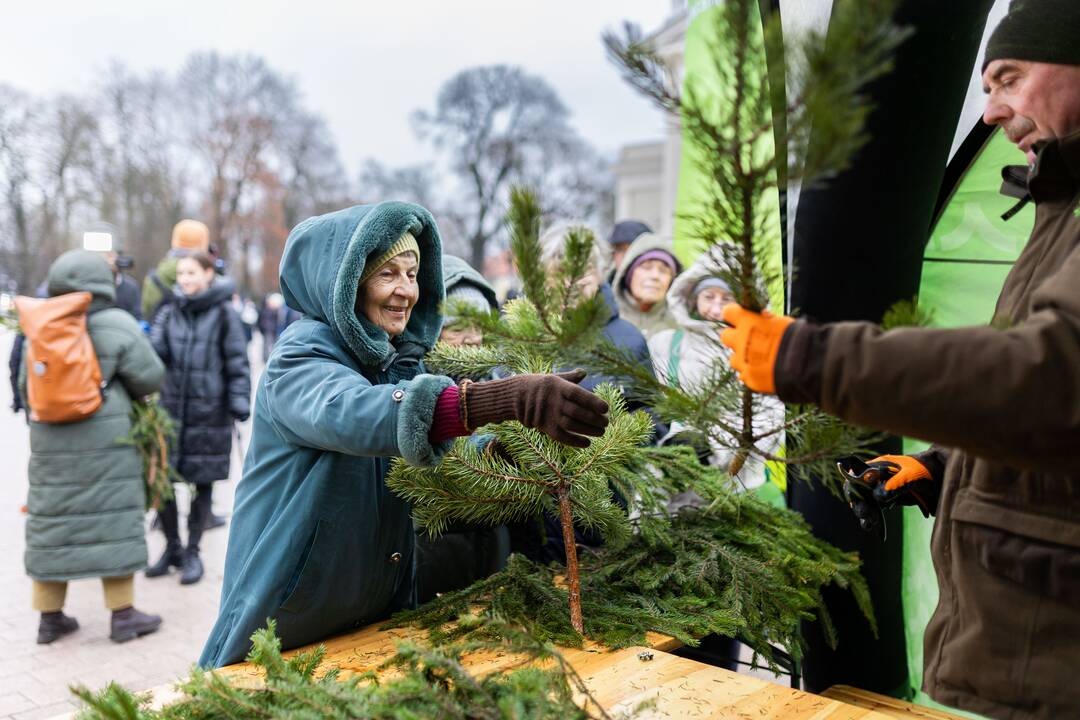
x=1045 y=31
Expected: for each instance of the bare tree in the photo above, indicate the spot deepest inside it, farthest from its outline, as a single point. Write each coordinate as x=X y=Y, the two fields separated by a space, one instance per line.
x=67 y=136
x=231 y=104
x=16 y=127
x=226 y=140
x=502 y=126
x=139 y=168
x=416 y=184
x=310 y=169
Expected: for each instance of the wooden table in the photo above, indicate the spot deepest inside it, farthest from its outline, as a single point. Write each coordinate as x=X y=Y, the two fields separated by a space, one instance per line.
x=620 y=680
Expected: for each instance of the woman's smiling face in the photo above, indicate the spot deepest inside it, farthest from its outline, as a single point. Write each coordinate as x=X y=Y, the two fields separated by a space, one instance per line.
x=389 y=295
x=192 y=277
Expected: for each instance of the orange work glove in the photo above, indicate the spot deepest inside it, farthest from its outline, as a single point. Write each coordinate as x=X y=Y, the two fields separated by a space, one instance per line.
x=908 y=482
x=755 y=341
x=904 y=468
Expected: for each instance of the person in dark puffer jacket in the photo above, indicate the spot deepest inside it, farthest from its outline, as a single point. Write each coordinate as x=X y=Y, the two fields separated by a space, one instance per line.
x=200 y=337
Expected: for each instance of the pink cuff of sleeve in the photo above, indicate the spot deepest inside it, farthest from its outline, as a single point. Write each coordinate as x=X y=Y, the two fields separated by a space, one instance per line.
x=446 y=423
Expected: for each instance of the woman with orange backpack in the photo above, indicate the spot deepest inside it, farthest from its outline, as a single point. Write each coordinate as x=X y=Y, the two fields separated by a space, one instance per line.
x=85 y=361
x=200 y=337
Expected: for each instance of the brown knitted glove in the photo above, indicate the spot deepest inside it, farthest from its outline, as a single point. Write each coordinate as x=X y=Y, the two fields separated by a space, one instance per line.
x=552 y=404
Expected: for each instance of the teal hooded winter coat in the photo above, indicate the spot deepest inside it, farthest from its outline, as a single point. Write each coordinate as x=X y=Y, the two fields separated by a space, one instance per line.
x=86 y=502
x=317 y=541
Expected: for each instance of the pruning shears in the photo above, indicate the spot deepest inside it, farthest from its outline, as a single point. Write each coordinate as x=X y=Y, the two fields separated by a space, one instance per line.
x=860 y=480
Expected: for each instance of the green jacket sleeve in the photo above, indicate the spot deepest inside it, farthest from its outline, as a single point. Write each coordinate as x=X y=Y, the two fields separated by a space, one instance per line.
x=151 y=296
x=1010 y=396
x=317 y=401
x=138 y=367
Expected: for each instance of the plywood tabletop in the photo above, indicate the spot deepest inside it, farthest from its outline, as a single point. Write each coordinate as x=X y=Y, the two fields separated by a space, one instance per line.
x=648 y=680
x=666 y=686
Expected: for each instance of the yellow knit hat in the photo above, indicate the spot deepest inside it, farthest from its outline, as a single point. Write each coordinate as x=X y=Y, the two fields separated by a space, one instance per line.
x=191 y=235
x=405 y=243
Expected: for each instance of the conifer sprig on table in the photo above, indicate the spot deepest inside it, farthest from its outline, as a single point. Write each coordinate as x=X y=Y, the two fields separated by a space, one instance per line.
x=425 y=682
x=747 y=122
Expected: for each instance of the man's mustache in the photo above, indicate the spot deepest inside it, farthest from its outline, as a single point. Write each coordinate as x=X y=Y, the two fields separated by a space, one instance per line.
x=1018 y=128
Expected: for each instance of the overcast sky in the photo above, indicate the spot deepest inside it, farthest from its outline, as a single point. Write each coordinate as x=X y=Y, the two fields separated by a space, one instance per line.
x=363 y=65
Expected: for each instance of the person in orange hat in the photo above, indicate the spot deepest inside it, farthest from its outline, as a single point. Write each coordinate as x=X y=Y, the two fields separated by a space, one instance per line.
x=188 y=237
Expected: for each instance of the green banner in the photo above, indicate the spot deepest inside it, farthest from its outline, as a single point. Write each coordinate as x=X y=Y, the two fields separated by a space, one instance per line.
x=700 y=72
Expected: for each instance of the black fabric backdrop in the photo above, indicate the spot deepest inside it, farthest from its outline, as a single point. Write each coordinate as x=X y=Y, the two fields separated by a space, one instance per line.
x=858 y=247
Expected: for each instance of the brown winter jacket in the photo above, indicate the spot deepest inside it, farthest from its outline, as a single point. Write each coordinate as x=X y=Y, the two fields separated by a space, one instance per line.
x=1003 y=405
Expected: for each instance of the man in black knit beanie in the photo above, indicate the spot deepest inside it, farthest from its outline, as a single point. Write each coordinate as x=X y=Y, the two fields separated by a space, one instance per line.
x=1001 y=405
x=1031 y=72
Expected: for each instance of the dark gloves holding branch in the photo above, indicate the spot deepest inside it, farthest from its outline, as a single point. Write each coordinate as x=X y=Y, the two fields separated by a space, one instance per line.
x=552 y=404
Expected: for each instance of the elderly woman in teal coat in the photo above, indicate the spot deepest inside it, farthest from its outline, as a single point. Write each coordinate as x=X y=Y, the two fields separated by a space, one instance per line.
x=318 y=543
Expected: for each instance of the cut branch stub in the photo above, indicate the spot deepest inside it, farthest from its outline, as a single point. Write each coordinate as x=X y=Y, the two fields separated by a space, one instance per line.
x=573 y=577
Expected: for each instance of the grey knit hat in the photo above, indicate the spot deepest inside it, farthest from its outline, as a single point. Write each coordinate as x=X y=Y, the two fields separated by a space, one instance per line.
x=1044 y=31
x=468 y=294
x=706 y=283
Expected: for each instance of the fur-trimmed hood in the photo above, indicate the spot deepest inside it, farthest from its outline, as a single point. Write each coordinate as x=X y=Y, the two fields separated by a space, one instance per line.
x=658 y=317
x=679 y=300
x=325 y=256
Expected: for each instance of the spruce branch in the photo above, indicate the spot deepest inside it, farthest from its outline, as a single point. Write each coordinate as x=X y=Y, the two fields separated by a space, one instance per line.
x=737 y=567
x=10 y=322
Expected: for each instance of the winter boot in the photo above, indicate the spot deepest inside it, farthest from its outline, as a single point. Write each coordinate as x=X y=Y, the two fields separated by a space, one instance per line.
x=192 y=570
x=129 y=623
x=173 y=556
x=55 y=625
x=214 y=521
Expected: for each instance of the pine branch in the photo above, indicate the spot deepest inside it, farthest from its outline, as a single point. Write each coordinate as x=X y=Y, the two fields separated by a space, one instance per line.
x=729 y=127
x=522 y=473
x=424 y=682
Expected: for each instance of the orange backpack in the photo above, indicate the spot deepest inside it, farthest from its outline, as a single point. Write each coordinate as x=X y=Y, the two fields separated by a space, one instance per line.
x=63 y=377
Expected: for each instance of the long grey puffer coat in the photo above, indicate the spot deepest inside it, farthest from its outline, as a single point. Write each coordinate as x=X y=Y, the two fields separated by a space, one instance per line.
x=86 y=501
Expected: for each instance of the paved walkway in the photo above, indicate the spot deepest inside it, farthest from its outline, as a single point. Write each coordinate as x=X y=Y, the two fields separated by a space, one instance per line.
x=34 y=679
